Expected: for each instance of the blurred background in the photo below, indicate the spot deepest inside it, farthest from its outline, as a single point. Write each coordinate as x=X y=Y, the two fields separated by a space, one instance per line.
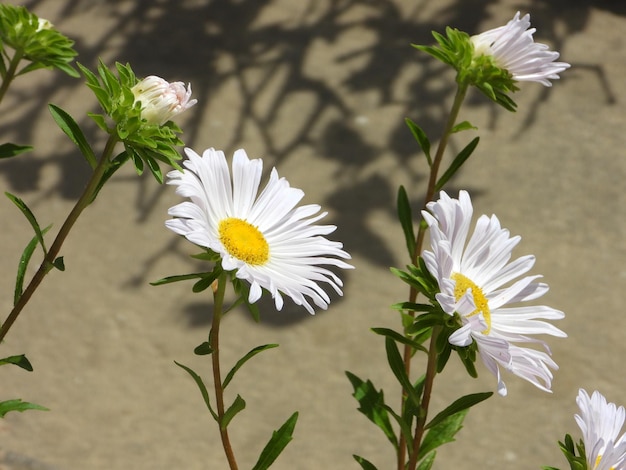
x=319 y=89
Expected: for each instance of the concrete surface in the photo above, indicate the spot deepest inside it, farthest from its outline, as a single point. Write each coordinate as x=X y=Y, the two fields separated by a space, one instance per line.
x=319 y=89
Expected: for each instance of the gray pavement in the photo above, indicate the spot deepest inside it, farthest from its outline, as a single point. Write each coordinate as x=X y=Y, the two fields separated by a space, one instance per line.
x=319 y=89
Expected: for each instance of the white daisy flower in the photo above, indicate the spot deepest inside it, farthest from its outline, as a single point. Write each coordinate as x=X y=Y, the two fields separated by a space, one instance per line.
x=472 y=278
x=513 y=49
x=264 y=237
x=161 y=100
x=600 y=423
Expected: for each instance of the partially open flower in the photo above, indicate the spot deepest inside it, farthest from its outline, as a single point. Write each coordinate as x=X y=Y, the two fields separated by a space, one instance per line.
x=480 y=285
x=513 y=49
x=161 y=100
x=601 y=423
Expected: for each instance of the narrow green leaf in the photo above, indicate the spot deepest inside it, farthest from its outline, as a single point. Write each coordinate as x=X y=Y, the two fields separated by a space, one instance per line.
x=372 y=405
x=114 y=165
x=365 y=464
x=457 y=406
x=238 y=405
x=181 y=277
x=23 y=265
x=389 y=333
x=18 y=405
x=406 y=220
x=421 y=137
x=201 y=386
x=253 y=352
x=10 y=150
x=404 y=423
x=456 y=163
x=21 y=205
x=412 y=307
x=73 y=131
x=277 y=443
x=19 y=361
x=397 y=367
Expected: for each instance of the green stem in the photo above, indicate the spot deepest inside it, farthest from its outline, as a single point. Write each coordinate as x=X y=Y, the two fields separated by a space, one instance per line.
x=218 y=296
x=419 y=241
x=46 y=265
x=10 y=75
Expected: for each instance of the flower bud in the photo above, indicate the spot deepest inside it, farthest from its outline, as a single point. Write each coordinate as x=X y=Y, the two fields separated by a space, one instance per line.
x=161 y=100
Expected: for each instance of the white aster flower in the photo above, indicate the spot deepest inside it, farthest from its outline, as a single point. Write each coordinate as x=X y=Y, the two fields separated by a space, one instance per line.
x=161 y=100
x=472 y=279
x=269 y=241
x=513 y=49
x=600 y=423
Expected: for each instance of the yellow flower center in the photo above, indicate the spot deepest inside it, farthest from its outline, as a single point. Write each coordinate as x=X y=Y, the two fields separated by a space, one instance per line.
x=244 y=241
x=482 y=304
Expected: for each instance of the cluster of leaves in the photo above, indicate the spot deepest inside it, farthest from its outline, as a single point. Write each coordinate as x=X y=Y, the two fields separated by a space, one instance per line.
x=576 y=462
x=456 y=49
x=145 y=144
x=443 y=427
x=34 y=40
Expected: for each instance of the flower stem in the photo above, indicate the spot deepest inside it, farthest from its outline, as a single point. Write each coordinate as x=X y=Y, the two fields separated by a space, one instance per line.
x=219 y=287
x=419 y=241
x=10 y=73
x=46 y=265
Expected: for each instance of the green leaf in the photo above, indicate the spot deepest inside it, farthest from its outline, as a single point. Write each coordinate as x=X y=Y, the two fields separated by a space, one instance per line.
x=242 y=289
x=203 y=349
x=406 y=220
x=397 y=367
x=427 y=462
x=421 y=137
x=73 y=131
x=204 y=283
x=19 y=361
x=457 y=406
x=181 y=277
x=18 y=405
x=23 y=265
x=10 y=150
x=114 y=165
x=412 y=307
x=238 y=405
x=365 y=464
x=253 y=352
x=389 y=333
x=201 y=386
x=442 y=433
x=31 y=218
x=372 y=405
x=277 y=443
x=456 y=163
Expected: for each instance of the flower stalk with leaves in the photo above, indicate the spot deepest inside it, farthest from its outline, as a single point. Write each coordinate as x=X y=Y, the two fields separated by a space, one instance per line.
x=143 y=140
x=258 y=241
x=494 y=62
